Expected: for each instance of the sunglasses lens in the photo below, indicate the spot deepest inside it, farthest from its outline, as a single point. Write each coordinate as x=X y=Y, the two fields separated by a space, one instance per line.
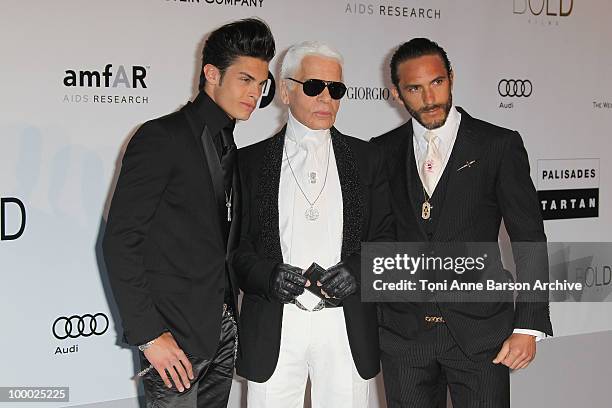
x=313 y=87
x=336 y=90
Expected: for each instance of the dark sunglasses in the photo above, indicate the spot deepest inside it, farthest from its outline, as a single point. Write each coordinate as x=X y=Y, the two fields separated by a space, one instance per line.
x=314 y=87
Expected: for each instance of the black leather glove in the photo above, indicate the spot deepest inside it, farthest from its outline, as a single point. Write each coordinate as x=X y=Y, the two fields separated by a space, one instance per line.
x=287 y=282
x=338 y=281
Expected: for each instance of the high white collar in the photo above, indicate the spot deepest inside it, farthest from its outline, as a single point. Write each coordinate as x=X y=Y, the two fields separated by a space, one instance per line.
x=303 y=136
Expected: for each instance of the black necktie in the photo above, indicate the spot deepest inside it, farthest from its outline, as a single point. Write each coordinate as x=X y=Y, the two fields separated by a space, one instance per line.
x=228 y=159
x=228 y=156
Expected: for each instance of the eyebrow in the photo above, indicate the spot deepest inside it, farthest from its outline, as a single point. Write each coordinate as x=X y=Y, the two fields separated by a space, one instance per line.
x=420 y=86
x=252 y=78
x=439 y=77
x=406 y=86
x=247 y=75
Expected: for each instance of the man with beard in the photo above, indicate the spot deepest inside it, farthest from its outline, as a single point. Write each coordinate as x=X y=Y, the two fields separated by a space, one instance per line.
x=311 y=194
x=453 y=178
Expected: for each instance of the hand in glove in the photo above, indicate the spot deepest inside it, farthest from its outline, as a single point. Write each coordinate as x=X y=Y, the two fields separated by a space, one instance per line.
x=287 y=282
x=338 y=282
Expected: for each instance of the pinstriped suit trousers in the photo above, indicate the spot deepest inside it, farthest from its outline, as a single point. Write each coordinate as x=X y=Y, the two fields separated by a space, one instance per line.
x=416 y=373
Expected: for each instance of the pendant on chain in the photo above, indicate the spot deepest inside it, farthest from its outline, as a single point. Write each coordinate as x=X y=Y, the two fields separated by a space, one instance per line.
x=426 y=210
x=312 y=177
x=312 y=214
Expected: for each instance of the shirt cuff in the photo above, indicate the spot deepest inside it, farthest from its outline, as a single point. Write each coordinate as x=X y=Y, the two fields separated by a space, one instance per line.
x=535 y=333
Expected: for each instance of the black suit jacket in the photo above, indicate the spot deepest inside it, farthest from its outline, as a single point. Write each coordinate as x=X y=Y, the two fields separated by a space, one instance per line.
x=164 y=243
x=367 y=217
x=497 y=185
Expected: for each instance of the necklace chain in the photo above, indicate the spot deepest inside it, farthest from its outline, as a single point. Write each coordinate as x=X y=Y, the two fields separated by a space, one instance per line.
x=296 y=179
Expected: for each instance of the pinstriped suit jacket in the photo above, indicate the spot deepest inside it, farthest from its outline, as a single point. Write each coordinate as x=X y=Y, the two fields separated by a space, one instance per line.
x=497 y=186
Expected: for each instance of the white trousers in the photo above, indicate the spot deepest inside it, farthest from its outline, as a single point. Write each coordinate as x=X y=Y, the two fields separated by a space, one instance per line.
x=315 y=345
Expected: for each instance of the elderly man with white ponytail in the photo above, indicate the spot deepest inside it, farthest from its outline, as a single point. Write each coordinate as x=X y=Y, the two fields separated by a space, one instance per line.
x=311 y=196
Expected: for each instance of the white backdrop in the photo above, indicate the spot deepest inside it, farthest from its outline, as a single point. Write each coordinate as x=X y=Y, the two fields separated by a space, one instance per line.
x=61 y=145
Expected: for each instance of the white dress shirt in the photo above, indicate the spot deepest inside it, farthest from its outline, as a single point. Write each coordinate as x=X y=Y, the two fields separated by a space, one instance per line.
x=304 y=241
x=445 y=140
x=313 y=345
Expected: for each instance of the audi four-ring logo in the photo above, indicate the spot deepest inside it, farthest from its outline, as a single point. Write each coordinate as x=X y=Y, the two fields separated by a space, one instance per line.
x=77 y=326
x=515 y=87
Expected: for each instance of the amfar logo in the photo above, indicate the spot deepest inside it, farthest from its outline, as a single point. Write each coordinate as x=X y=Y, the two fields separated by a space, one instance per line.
x=115 y=84
x=108 y=78
x=568 y=188
x=267 y=94
x=18 y=207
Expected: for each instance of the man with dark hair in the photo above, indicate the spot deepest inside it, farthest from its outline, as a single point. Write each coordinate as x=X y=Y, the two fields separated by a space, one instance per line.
x=249 y=37
x=172 y=223
x=453 y=178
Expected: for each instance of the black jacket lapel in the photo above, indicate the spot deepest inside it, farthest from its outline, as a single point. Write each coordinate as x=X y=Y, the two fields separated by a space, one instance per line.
x=465 y=150
x=210 y=164
x=413 y=183
x=234 y=233
x=352 y=194
x=216 y=172
x=268 y=185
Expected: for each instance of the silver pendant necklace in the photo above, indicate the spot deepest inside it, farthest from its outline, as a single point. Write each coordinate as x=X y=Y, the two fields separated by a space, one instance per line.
x=228 y=204
x=312 y=212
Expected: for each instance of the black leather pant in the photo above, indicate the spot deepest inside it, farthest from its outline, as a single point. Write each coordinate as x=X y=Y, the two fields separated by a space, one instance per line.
x=212 y=381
